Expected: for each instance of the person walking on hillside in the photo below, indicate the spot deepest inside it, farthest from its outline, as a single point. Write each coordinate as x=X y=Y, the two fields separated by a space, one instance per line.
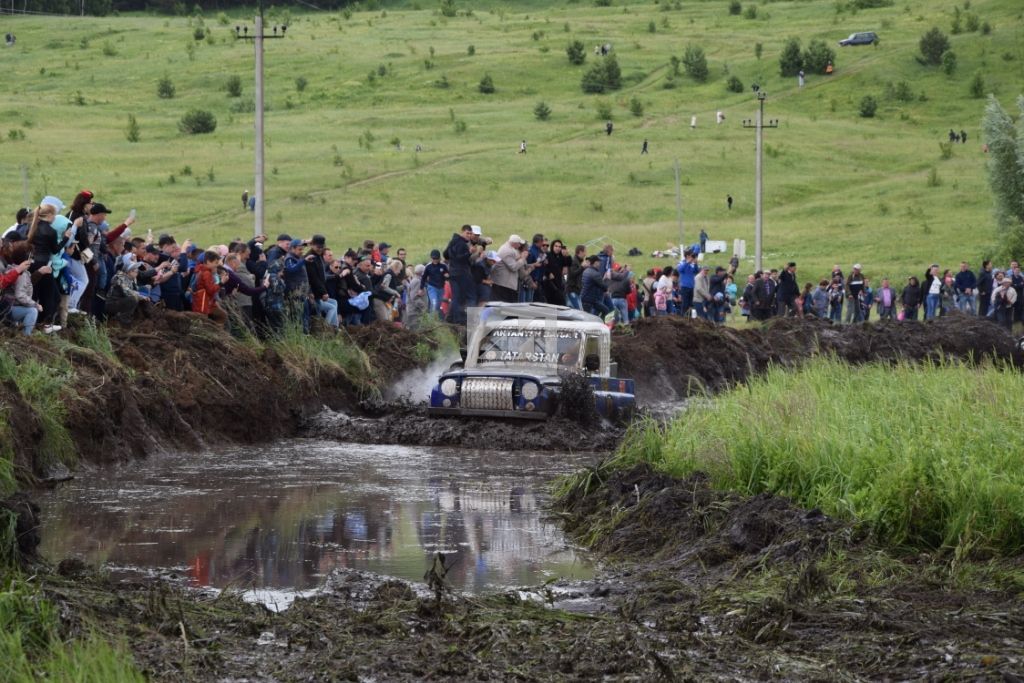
x=245 y=199
x=800 y=78
x=608 y=127
x=728 y=202
x=643 y=150
x=522 y=147
x=460 y=275
x=703 y=241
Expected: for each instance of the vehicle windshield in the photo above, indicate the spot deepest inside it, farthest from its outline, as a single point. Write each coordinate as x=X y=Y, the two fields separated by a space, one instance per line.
x=533 y=346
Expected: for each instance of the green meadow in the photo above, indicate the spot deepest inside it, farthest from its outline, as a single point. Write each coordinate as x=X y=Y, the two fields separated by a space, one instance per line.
x=341 y=143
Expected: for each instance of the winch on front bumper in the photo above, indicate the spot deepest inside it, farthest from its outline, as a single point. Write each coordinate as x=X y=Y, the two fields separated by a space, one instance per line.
x=496 y=396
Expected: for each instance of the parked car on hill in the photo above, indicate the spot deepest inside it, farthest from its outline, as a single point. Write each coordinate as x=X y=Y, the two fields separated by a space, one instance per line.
x=861 y=38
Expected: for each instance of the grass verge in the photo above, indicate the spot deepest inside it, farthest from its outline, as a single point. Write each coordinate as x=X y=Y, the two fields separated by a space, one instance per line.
x=928 y=456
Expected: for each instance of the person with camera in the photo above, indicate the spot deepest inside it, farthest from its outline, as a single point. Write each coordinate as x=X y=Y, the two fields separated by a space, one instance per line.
x=506 y=270
x=460 y=274
x=296 y=283
x=316 y=272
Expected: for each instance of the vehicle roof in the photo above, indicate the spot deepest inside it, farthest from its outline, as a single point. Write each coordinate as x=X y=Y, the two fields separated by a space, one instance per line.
x=582 y=325
x=536 y=311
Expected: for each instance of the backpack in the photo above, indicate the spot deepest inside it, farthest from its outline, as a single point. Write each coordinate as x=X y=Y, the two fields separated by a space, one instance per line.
x=273 y=297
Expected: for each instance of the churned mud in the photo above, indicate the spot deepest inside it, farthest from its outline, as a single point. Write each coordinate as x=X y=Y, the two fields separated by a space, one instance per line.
x=754 y=587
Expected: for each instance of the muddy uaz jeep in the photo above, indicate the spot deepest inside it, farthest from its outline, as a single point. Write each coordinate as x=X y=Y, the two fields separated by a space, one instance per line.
x=517 y=356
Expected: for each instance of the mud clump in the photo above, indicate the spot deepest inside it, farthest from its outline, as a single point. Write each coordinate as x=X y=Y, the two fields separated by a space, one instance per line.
x=672 y=357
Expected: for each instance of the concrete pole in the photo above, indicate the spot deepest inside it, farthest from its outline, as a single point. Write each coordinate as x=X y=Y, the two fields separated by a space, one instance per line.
x=258 y=184
x=759 y=188
x=679 y=209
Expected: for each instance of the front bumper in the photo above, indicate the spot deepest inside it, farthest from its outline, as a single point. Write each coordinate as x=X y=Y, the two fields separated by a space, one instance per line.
x=473 y=412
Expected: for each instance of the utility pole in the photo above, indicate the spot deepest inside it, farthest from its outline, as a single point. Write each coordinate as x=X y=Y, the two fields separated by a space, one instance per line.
x=679 y=209
x=759 y=125
x=257 y=37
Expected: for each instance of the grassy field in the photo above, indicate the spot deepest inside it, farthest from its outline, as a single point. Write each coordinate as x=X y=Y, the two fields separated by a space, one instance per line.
x=839 y=188
x=926 y=456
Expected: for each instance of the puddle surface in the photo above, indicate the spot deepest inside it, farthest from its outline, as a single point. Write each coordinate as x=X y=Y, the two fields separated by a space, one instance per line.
x=283 y=516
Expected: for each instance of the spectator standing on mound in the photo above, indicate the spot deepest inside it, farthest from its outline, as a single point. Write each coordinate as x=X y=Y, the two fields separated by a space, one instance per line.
x=789 y=290
x=965 y=286
x=854 y=288
x=984 y=288
x=506 y=270
x=460 y=274
x=435 y=274
x=886 y=298
x=911 y=298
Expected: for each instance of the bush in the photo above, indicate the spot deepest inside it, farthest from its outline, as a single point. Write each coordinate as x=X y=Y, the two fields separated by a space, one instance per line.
x=758 y=50
x=448 y=8
x=933 y=178
x=977 y=88
x=301 y=83
x=602 y=76
x=612 y=73
x=636 y=107
x=471 y=50
x=234 y=86
x=900 y=92
x=735 y=8
x=604 y=111
x=695 y=63
x=199 y=33
x=933 y=45
x=949 y=63
x=791 y=61
x=972 y=23
x=576 y=52
x=868 y=106
x=542 y=112
x=734 y=84
x=946 y=150
x=652 y=27
x=986 y=28
x=486 y=84
x=197 y=121
x=132 y=132
x=818 y=56
x=750 y=12
x=165 y=88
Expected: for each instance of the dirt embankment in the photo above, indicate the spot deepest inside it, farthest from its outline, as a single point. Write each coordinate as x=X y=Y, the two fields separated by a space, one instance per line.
x=175 y=381
x=674 y=357
x=747 y=587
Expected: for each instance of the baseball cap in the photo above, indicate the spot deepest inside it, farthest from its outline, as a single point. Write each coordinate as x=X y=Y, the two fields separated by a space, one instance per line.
x=295 y=243
x=284 y=237
x=856 y=266
x=492 y=256
x=98 y=208
x=434 y=253
x=52 y=201
x=516 y=239
x=383 y=245
x=318 y=240
x=477 y=230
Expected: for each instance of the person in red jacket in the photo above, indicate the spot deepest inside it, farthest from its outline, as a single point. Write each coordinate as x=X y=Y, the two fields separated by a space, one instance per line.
x=207 y=284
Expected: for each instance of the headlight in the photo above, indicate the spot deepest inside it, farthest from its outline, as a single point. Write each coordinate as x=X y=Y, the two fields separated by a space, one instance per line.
x=449 y=387
x=530 y=391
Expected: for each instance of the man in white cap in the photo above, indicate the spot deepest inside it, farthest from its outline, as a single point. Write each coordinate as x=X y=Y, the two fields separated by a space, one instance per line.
x=510 y=263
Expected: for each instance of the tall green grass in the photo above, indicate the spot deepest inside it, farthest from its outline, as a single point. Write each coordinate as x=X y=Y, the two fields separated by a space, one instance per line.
x=41 y=386
x=32 y=650
x=308 y=356
x=928 y=456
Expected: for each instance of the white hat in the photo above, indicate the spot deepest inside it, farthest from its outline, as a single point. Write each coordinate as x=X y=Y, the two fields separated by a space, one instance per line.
x=516 y=239
x=477 y=230
x=53 y=201
x=856 y=266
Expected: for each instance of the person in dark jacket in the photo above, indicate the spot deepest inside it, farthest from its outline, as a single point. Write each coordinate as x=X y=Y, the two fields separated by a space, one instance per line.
x=45 y=243
x=461 y=275
x=316 y=272
x=789 y=290
x=574 y=279
x=593 y=288
x=554 y=271
x=984 y=288
x=965 y=289
x=911 y=298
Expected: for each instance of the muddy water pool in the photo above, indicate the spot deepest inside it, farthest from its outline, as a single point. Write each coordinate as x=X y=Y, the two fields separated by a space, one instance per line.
x=283 y=516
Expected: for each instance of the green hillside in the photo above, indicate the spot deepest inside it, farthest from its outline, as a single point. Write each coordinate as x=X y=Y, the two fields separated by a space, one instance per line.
x=839 y=188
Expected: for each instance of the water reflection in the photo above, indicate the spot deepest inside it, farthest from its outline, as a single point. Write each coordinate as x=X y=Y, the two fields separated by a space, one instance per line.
x=283 y=516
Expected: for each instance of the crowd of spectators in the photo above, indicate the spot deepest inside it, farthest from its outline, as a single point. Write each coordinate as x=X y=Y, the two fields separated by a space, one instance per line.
x=57 y=261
